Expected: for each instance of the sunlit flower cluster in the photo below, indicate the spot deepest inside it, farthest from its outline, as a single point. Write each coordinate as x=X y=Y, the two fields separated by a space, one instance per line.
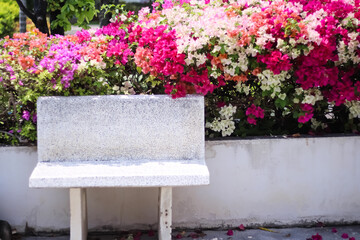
x=297 y=56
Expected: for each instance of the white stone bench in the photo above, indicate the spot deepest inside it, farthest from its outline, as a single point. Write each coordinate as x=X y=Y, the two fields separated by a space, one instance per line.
x=119 y=141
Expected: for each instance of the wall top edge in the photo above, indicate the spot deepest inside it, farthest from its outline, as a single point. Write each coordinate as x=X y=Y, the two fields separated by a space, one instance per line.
x=28 y=149
x=282 y=138
x=234 y=140
x=94 y=97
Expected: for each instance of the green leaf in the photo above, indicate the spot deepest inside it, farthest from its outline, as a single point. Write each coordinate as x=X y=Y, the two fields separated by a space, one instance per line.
x=222 y=50
x=279 y=103
x=138 y=69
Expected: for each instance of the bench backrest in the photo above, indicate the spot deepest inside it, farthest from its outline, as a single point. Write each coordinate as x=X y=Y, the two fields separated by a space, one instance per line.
x=106 y=128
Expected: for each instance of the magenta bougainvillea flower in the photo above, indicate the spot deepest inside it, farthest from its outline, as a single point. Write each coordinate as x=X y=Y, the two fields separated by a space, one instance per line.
x=254 y=112
x=316 y=237
x=26 y=115
x=230 y=232
x=345 y=235
x=276 y=61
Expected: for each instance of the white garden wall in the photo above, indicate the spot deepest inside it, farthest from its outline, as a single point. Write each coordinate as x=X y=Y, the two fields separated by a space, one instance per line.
x=262 y=181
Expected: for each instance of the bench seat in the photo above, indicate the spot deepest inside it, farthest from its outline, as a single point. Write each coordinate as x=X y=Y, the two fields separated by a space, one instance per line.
x=119 y=174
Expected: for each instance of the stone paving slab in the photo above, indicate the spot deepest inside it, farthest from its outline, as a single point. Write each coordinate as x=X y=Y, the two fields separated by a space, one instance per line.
x=251 y=234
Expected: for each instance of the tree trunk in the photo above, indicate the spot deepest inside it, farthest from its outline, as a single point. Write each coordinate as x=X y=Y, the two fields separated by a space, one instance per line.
x=58 y=29
x=40 y=16
x=104 y=19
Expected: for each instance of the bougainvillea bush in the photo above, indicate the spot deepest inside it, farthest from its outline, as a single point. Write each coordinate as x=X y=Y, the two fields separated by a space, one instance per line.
x=88 y=63
x=265 y=67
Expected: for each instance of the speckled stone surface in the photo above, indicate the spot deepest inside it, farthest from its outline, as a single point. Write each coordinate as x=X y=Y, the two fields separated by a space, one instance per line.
x=105 y=141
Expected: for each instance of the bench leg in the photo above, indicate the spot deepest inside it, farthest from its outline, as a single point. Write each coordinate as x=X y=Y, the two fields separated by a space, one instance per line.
x=165 y=213
x=78 y=214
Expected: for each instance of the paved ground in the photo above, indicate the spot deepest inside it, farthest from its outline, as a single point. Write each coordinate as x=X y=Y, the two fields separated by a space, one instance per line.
x=353 y=232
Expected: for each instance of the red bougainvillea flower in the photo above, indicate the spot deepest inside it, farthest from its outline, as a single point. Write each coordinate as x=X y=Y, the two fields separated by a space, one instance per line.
x=241 y=227
x=26 y=62
x=352 y=238
x=230 y=232
x=334 y=230
x=316 y=237
x=345 y=235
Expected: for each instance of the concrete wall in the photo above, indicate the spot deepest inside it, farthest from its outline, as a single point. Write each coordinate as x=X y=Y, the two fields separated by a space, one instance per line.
x=263 y=181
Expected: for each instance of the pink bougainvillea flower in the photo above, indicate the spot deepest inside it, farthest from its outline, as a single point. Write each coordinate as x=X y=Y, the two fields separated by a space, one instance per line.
x=345 y=235
x=352 y=238
x=334 y=230
x=230 y=232
x=241 y=227
x=316 y=237
x=167 y=4
x=83 y=36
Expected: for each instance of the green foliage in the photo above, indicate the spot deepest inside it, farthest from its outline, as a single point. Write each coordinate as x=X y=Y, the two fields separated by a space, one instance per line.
x=113 y=9
x=9 y=12
x=116 y=9
x=83 y=10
